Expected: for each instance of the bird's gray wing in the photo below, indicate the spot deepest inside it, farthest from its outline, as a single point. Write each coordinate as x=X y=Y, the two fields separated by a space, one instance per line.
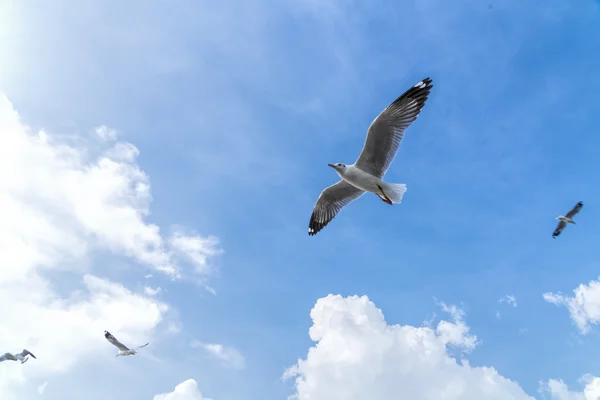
x=386 y=131
x=574 y=210
x=26 y=352
x=113 y=340
x=144 y=345
x=7 y=356
x=561 y=225
x=331 y=200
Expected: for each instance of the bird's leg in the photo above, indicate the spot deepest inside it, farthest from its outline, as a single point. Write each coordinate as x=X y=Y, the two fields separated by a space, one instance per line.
x=383 y=196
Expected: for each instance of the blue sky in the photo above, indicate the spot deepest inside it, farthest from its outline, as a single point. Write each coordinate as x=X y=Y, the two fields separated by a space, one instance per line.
x=236 y=109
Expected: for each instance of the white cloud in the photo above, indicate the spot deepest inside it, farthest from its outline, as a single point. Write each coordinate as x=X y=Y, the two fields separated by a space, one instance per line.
x=68 y=203
x=508 y=299
x=227 y=354
x=59 y=207
x=196 y=249
x=151 y=291
x=456 y=332
x=60 y=331
x=584 y=306
x=42 y=388
x=359 y=356
x=559 y=391
x=105 y=133
x=187 y=390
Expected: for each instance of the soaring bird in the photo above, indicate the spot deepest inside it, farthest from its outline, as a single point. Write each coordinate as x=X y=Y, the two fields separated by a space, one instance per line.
x=365 y=175
x=567 y=219
x=123 y=350
x=22 y=356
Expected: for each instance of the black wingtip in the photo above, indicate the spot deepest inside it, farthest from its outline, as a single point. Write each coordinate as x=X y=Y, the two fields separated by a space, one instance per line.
x=315 y=226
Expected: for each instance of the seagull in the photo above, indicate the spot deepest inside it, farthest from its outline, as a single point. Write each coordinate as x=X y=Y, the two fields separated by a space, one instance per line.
x=567 y=219
x=365 y=175
x=123 y=350
x=22 y=356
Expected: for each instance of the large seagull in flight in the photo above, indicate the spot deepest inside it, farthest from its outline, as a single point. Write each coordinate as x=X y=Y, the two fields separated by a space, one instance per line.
x=123 y=350
x=365 y=175
x=22 y=356
x=567 y=219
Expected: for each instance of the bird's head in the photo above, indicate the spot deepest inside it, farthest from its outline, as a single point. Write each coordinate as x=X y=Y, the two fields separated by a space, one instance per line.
x=339 y=167
x=560 y=217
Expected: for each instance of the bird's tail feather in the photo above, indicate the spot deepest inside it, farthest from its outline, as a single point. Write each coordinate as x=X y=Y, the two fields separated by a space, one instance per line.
x=394 y=191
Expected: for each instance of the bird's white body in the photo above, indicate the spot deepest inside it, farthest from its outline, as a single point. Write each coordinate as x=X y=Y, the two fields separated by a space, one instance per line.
x=123 y=350
x=360 y=179
x=565 y=219
x=126 y=353
x=22 y=356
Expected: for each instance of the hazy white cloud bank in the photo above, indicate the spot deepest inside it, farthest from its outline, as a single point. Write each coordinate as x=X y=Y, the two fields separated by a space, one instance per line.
x=69 y=203
x=63 y=200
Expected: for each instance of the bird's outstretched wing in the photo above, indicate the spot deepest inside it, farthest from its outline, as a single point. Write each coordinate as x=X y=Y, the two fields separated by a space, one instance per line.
x=561 y=225
x=113 y=340
x=330 y=201
x=574 y=210
x=26 y=352
x=7 y=356
x=144 y=345
x=387 y=130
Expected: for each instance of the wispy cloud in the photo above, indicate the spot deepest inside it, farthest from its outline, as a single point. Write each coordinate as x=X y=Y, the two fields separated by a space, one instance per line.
x=42 y=388
x=226 y=354
x=152 y=291
x=508 y=299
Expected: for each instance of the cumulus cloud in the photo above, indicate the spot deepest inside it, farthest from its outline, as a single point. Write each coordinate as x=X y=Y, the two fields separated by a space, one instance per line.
x=227 y=354
x=558 y=390
x=59 y=207
x=359 y=356
x=457 y=331
x=584 y=306
x=187 y=390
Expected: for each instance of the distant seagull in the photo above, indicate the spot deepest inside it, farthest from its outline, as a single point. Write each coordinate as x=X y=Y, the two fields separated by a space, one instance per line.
x=365 y=175
x=123 y=350
x=22 y=356
x=567 y=219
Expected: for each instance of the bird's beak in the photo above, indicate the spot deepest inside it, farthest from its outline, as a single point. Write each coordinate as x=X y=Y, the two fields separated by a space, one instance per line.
x=331 y=165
